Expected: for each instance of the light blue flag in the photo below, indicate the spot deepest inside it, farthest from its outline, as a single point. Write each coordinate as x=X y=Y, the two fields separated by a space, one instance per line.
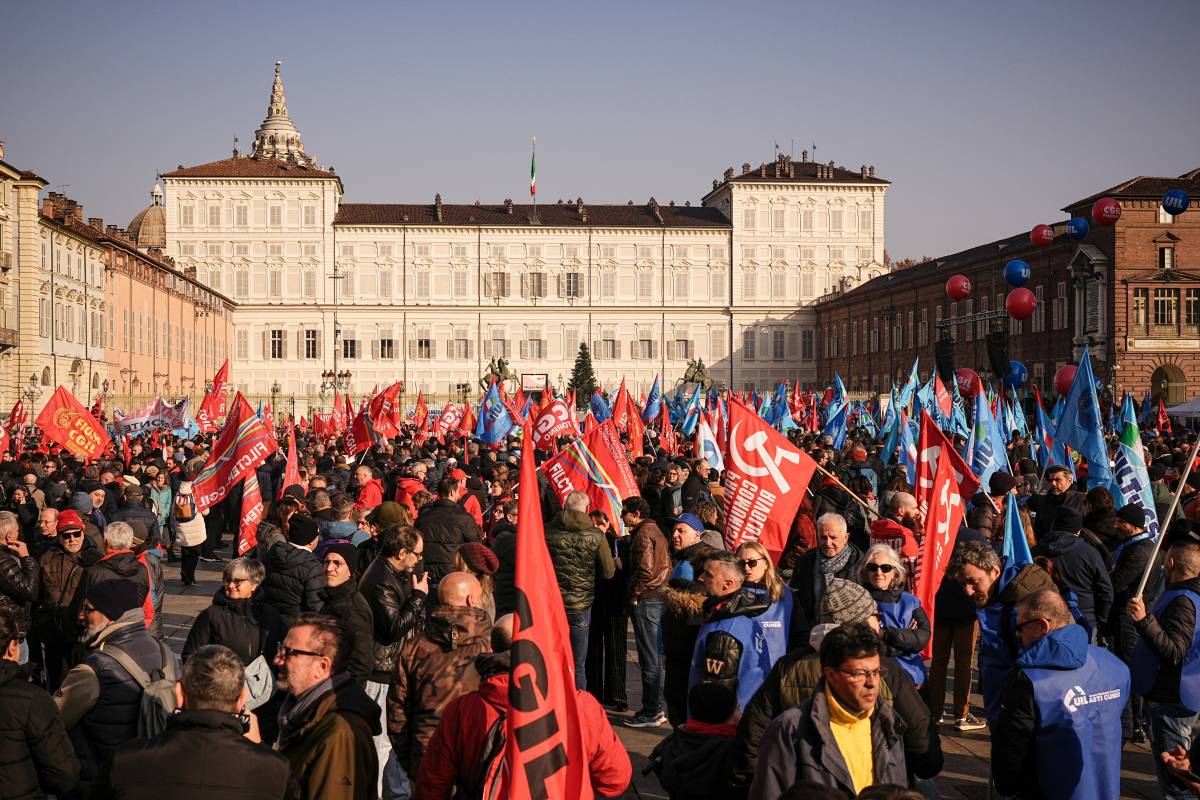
x=836 y=426
x=1131 y=480
x=1047 y=451
x=601 y=410
x=691 y=414
x=985 y=448
x=866 y=421
x=1018 y=414
x=1015 y=550
x=493 y=422
x=653 y=402
x=908 y=449
x=910 y=386
x=892 y=420
x=1080 y=426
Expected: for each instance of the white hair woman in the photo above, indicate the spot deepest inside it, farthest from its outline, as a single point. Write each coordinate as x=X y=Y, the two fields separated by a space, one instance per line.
x=905 y=624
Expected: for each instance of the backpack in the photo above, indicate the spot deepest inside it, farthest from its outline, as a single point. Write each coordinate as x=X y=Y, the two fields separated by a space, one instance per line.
x=185 y=508
x=490 y=771
x=158 y=689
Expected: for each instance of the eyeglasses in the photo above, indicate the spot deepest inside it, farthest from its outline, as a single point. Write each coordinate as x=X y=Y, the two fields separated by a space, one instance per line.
x=71 y=534
x=337 y=562
x=748 y=563
x=1020 y=625
x=287 y=652
x=860 y=675
x=884 y=568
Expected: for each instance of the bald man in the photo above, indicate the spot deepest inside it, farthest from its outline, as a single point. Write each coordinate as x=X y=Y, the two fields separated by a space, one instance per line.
x=899 y=528
x=433 y=670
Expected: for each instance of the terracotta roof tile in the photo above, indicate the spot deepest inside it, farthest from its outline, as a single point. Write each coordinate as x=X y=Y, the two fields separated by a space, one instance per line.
x=1146 y=187
x=550 y=216
x=246 y=167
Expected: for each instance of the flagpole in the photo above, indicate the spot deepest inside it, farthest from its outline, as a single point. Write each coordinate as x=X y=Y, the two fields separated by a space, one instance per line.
x=846 y=489
x=1163 y=523
x=533 y=177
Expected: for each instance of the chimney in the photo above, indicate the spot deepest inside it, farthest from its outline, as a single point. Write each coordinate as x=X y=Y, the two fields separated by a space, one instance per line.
x=729 y=174
x=48 y=206
x=791 y=169
x=578 y=205
x=1 y=149
x=508 y=206
x=716 y=183
x=745 y=167
x=871 y=171
x=864 y=170
x=96 y=222
x=437 y=206
x=762 y=170
x=804 y=156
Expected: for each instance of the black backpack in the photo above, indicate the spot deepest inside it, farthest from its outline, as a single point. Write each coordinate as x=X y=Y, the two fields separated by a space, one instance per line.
x=490 y=770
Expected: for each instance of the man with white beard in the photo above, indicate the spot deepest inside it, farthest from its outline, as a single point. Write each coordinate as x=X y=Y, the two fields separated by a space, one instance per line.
x=100 y=701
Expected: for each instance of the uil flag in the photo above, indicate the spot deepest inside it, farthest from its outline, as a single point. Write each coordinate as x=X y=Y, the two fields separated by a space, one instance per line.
x=291 y=471
x=653 y=405
x=706 y=445
x=243 y=445
x=1015 y=549
x=986 y=446
x=67 y=423
x=1080 y=427
x=494 y=421
x=765 y=480
x=544 y=752
x=1131 y=478
x=252 y=513
x=600 y=408
x=945 y=514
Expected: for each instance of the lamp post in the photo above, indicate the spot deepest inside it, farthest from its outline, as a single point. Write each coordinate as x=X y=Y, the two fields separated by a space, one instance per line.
x=31 y=393
x=275 y=390
x=130 y=375
x=327 y=385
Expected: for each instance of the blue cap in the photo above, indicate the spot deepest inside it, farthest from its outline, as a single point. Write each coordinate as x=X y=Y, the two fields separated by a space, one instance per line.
x=691 y=520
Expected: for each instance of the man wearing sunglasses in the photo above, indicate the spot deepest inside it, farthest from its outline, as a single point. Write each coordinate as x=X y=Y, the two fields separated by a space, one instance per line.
x=55 y=620
x=1059 y=731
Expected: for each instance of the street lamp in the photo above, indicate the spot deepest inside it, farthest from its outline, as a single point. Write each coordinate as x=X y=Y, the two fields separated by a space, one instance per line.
x=342 y=380
x=130 y=375
x=275 y=390
x=31 y=393
x=327 y=385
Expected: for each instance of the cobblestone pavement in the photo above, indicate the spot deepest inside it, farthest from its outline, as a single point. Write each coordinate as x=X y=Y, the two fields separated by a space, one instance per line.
x=967 y=754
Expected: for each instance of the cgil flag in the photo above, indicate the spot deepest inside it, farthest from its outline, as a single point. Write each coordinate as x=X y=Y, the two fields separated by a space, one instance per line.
x=544 y=752
x=243 y=444
x=291 y=470
x=765 y=480
x=945 y=514
x=252 y=513
x=65 y=421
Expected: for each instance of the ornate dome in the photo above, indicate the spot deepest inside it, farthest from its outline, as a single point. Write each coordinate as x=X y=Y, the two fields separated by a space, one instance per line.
x=149 y=228
x=278 y=137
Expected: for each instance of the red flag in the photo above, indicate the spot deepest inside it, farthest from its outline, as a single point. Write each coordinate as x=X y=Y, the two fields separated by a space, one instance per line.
x=765 y=480
x=589 y=422
x=1164 y=421
x=303 y=423
x=621 y=408
x=941 y=526
x=666 y=434
x=421 y=413
x=66 y=422
x=637 y=433
x=212 y=408
x=931 y=444
x=466 y=425
x=944 y=400
x=291 y=471
x=243 y=445
x=605 y=444
x=252 y=513
x=322 y=426
x=544 y=755
x=448 y=421
x=554 y=421
x=384 y=411
x=341 y=413
x=358 y=435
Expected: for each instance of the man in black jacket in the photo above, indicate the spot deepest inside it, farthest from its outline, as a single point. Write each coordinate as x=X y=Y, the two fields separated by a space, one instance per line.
x=18 y=577
x=1078 y=566
x=1129 y=564
x=444 y=527
x=396 y=596
x=1164 y=656
x=833 y=557
x=1043 y=506
x=36 y=756
x=295 y=576
x=580 y=556
x=205 y=752
x=143 y=521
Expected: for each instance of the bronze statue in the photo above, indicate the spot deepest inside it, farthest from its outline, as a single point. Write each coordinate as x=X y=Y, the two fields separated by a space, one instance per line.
x=497 y=370
x=696 y=373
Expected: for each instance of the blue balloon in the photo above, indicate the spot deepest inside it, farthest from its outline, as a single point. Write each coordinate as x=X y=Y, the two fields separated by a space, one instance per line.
x=1077 y=228
x=1017 y=272
x=1175 y=202
x=1017 y=375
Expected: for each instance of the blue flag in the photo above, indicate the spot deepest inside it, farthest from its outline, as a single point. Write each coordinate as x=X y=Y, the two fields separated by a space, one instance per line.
x=908 y=449
x=910 y=386
x=691 y=414
x=1132 y=481
x=866 y=421
x=653 y=402
x=1080 y=424
x=1015 y=549
x=985 y=449
x=493 y=422
x=1048 y=451
x=892 y=420
x=1144 y=417
x=836 y=425
x=600 y=408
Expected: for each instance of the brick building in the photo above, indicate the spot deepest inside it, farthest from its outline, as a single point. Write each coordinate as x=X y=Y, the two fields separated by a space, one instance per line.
x=1130 y=291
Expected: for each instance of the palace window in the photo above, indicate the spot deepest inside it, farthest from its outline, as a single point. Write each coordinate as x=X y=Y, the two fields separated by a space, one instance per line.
x=275 y=349
x=749 y=342
x=749 y=284
x=275 y=216
x=310 y=215
x=572 y=284
x=1166 y=306
x=1141 y=305
x=682 y=284
x=311 y=350
x=717 y=280
x=241 y=216
x=716 y=343
x=387 y=348
x=349 y=348
x=645 y=284
x=806 y=345
x=778 y=346
x=534 y=284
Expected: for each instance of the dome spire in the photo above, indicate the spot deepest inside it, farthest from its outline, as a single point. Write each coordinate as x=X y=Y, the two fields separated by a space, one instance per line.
x=278 y=137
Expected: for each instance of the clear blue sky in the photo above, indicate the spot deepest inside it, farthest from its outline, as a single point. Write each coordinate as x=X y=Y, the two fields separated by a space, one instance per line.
x=987 y=117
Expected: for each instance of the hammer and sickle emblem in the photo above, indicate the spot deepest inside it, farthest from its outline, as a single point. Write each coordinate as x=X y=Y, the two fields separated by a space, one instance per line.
x=756 y=442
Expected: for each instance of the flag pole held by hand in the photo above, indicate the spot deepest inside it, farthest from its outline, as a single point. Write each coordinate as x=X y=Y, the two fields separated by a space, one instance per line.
x=846 y=489
x=1164 y=523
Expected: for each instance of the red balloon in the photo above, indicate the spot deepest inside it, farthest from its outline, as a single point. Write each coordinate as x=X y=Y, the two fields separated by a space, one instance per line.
x=1106 y=211
x=1064 y=378
x=968 y=381
x=1042 y=235
x=1020 y=303
x=958 y=287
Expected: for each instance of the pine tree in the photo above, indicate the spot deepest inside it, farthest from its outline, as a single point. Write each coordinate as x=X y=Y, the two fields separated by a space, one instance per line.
x=583 y=377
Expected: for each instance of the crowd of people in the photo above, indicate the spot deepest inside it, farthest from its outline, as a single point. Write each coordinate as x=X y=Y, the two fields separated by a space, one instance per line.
x=361 y=648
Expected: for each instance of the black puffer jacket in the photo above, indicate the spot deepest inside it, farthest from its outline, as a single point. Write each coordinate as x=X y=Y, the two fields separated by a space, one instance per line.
x=444 y=527
x=294 y=581
x=202 y=755
x=36 y=757
x=353 y=613
x=504 y=545
x=1168 y=636
x=249 y=627
x=580 y=556
x=18 y=586
x=1126 y=575
x=691 y=764
x=143 y=521
x=397 y=613
x=116 y=566
x=1078 y=567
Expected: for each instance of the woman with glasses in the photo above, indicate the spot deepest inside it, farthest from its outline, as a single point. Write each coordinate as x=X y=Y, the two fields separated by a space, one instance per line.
x=905 y=625
x=759 y=570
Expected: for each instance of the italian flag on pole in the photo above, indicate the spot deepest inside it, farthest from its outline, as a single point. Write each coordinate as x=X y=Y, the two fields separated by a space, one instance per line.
x=533 y=170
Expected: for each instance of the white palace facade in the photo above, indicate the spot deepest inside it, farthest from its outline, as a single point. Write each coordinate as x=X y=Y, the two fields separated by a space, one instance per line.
x=429 y=293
